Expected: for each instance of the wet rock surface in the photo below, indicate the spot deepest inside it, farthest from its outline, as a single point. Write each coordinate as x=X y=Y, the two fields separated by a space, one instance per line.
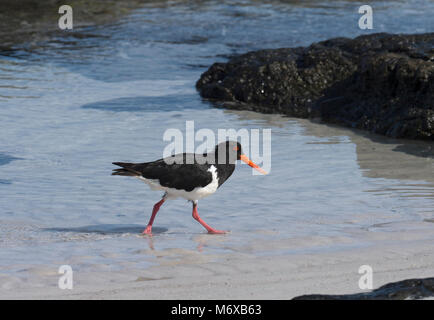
x=405 y=289
x=383 y=83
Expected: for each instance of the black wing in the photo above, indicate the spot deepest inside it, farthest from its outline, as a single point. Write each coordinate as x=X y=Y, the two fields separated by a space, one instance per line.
x=170 y=174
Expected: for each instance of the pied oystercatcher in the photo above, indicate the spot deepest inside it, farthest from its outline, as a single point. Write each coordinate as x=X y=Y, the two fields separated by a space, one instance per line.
x=191 y=180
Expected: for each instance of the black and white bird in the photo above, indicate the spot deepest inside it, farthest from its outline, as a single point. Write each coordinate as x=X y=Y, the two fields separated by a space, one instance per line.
x=187 y=175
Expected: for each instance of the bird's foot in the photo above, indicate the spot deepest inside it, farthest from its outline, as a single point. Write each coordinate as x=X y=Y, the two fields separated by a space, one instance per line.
x=147 y=231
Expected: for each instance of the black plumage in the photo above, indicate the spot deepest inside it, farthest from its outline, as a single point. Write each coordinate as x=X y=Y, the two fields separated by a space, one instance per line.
x=185 y=171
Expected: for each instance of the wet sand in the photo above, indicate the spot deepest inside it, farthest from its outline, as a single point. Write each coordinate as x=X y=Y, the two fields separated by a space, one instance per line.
x=181 y=274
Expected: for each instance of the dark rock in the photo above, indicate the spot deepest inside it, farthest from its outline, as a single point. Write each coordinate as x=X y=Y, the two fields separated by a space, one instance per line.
x=405 y=289
x=381 y=82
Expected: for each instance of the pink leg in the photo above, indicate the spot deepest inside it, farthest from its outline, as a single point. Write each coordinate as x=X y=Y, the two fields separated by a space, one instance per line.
x=157 y=206
x=207 y=227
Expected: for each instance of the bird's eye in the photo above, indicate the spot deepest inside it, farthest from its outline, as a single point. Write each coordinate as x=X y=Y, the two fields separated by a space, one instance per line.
x=236 y=148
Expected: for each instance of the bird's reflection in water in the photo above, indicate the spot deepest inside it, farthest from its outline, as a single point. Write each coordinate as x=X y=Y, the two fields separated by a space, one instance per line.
x=201 y=241
x=208 y=240
x=150 y=241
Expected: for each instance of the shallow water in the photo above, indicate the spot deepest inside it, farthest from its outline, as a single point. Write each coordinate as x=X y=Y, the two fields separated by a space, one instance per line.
x=72 y=105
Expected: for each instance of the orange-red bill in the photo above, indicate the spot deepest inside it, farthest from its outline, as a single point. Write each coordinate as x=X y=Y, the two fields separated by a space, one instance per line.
x=245 y=159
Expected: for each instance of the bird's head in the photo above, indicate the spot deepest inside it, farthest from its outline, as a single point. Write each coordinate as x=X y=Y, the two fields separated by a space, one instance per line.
x=230 y=152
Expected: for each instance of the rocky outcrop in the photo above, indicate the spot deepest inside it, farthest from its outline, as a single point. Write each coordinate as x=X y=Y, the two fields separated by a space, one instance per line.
x=405 y=289
x=381 y=82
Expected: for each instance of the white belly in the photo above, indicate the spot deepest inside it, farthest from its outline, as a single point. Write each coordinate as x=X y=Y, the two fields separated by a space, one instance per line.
x=195 y=194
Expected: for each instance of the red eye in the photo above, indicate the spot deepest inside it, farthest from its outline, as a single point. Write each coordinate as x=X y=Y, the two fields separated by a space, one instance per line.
x=236 y=148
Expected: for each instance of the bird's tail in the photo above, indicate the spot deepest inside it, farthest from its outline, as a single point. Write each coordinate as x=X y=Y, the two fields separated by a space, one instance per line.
x=126 y=170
